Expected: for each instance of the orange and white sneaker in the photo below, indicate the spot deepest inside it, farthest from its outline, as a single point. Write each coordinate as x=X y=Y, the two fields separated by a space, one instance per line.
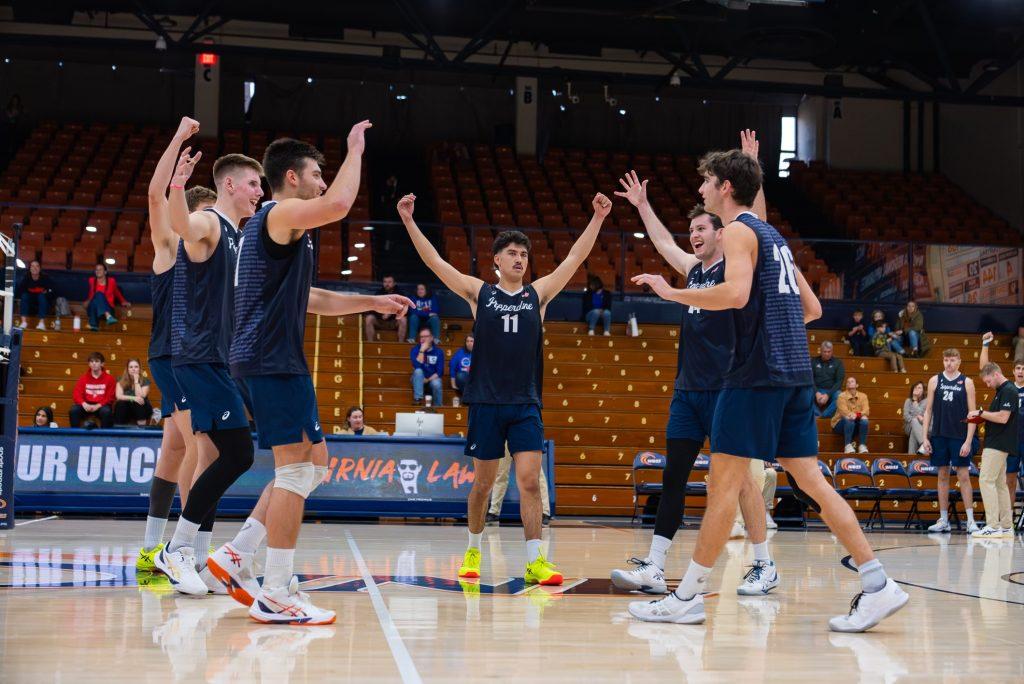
x=233 y=568
x=288 y=606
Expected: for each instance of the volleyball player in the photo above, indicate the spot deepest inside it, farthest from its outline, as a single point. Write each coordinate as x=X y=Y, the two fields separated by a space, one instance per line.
x=766 y=407
x=505 y=382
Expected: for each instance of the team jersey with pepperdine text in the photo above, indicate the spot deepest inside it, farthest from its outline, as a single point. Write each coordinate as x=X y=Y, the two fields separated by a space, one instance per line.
x=706 y=338
x=770 y=347
x=508 y=348
x=949 y=407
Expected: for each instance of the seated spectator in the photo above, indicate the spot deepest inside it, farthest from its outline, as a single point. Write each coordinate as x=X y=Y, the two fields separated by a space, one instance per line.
x=426 y=314
x=851 y=417
x=913 y=417
x=375 y=320
x=887 y=346
x=355 y=423
x=44 y=418
x=34 y=290
x=94 y=395
x=104 y=295
x=860 y=343
x=828 y=380
x=427 y=367
x=597 y=305
x=458 y=367
x=132 y=392
x=911 y=330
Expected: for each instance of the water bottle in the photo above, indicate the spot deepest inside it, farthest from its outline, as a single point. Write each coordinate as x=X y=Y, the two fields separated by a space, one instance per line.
x=427 y=400
x=77 y=323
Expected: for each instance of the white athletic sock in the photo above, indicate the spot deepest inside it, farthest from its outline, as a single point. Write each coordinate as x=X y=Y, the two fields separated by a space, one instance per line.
x=184 y=535
x=249 y=536
x=659 y=550
x=278 y=571
x=475 y=540
x=203 y=541
x=872 y=576
x=154 y=531
x=532 y=550
x=970 y=515
x=944 y=516
x=693 y=581
x=761 y=552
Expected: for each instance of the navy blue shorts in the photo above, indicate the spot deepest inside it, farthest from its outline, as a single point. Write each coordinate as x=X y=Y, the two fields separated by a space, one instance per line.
x=212 y=396
x=492 y=425
x=1013 y=464
x=691 y=414
x=171 y=397
x=284 y=407
x=946 y=452
x=765 y=423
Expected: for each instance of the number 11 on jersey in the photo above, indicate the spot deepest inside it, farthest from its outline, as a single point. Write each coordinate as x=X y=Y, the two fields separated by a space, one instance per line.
x=511 y=322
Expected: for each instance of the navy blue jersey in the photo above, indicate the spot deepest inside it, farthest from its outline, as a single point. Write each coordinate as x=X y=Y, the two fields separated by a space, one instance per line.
x=949 y=407
x=271 y=296
x=770 y=348
x=508 y=348
x=1020 y=413
x=203 y=301
x=706 y=338
x=161 y=286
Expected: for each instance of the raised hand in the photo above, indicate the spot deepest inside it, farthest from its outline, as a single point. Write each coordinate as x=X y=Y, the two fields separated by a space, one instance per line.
x=749 y=143
x=602 y=205
x=357 y=136
x=655 y=282
x=187 y=128
x=987 y=338
x=406 y=206
x=186 y=165
x=392 y=304
x=635 y=189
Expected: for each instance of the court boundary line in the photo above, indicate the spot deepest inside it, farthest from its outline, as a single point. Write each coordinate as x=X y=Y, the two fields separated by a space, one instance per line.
x=35 y=520
x=406 y=666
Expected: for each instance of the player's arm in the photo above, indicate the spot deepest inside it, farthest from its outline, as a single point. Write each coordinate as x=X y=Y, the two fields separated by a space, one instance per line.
x=196 y=227
x=927 y=421
x=986 y=340
x=292 y=216
x=636 y=192
x=740 y=247
x=328 y=303
x=965 y=449
x=751 y=147
x=462 y=284
x=553 y=283
x=808 y=300
x=159 y=223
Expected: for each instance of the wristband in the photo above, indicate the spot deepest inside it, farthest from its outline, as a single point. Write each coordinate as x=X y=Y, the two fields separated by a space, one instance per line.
x=177 y=187
x=985 y=343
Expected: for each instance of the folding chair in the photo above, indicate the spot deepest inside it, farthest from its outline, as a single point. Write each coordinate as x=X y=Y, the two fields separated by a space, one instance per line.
x=645 y=461
x=894 y=485
x=855 y=483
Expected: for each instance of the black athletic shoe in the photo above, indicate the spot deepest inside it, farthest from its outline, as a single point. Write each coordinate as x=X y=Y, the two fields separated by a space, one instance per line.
x=546 y=520
x=491 y=518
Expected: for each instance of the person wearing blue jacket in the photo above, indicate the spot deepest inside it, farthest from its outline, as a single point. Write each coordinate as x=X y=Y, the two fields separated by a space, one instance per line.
x=458 y=367
x=426 y=313
x=427 y=367
x=597 y=305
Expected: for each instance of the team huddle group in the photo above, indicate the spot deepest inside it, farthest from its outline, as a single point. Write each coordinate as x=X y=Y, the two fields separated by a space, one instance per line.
x=229 y=320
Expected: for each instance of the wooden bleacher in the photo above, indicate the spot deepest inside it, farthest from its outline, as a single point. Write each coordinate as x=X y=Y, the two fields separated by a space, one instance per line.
x=605 y=398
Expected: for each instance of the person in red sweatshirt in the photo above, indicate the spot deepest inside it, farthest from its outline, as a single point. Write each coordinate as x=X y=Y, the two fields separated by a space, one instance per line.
x=104 y=295
x=94 y=395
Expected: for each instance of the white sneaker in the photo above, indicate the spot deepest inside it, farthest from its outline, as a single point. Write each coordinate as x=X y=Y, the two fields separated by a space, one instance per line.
x=987 y=532
x=737 y=531
x=670 y=609
x=862 y=449
x=41 y=325
x=769 y=522
x=920 y=449
x=646 y=577
x=23 y=324
x=213 y=585
x=233 y=569
x=288 y=606
x=849 y=449
x=973 y=527
x=940 y=526
x=180 y=568
x=590 y=333
x=760 y=579
x=56 y=324
x=867 y=610
x=607 y=333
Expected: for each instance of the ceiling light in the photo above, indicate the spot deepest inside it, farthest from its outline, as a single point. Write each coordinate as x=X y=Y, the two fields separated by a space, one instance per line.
x=353 y=258
x=90 y=229
x=20 y=263
x=368 y=228
x=359 y=245
x=347 y=271
x=309 y=79
x=638 y=236
x=110 y=261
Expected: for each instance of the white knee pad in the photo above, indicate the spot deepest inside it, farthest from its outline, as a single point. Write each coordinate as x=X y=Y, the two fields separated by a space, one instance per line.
x=319 y=473
x=296 y=477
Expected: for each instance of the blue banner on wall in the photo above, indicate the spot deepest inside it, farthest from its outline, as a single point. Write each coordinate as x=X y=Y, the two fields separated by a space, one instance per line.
x=110 y=471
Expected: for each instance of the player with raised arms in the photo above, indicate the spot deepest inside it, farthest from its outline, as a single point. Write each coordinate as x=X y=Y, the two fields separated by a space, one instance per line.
x=505 y=382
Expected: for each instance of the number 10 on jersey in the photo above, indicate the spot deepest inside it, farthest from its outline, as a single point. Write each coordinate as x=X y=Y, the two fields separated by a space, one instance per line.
x=511 y=322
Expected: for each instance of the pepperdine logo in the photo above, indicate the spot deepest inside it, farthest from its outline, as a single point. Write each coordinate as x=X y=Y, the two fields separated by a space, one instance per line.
x=492 y=303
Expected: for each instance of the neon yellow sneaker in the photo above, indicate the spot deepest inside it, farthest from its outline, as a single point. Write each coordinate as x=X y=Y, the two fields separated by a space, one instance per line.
x=470 y=563
x=156 y=582
x=145 y=560
x=540 y=571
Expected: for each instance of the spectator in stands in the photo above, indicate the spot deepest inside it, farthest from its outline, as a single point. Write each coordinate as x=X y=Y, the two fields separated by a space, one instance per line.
x=427 y=367
x=458 y=367
x=385 y=321
x=860 y=343
x=104 y=295
x=852 y=411
x=828 y=380
x=1000 y=443
x=911 y=330
x=44 y=418
x=34 y=291
x=94 y=395
x=597 y=305
x=425 y=314
x=887 y=346
x=132 y=393
x=355 y=423
x=913 y=417
x=1018 y=342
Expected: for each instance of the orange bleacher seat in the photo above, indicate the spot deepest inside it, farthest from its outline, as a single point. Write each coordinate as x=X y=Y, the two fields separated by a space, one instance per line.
x=119 y=257
x=54 y=257
x=84 y=257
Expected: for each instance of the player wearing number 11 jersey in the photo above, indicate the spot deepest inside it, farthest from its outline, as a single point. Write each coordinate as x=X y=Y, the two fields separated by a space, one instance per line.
x=504 y=389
